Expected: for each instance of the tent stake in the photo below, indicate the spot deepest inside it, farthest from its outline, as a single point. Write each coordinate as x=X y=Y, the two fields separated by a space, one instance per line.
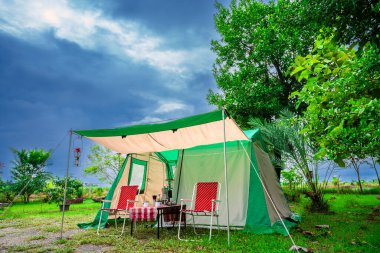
x=225 y=176
x=67 y=175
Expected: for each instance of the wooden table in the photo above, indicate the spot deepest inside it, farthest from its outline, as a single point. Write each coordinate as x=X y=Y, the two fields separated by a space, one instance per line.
x=168 y=214
x=160 y=214
x=142 y=214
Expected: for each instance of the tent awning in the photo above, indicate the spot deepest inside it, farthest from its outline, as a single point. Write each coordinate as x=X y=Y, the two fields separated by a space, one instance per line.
x=202 y=129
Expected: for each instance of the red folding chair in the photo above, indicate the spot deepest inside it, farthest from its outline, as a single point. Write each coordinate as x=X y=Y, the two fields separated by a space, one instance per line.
x=205 y=202
x=126 y=200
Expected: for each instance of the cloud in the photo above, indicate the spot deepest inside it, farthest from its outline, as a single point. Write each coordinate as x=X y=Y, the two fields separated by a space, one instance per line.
x=92 y=30
x=166 y=107
x=146 y=120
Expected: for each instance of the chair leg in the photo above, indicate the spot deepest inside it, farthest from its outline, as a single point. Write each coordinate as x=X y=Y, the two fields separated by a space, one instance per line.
x=116 y=220
x=122 y=231
x=210 y=227
x=100 y=219
x=217 y=222
x=194 y=225
x=179 y=226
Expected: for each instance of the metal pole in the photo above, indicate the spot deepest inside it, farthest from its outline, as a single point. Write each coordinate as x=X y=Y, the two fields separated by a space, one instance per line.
x=67 y=175
x=225 y=176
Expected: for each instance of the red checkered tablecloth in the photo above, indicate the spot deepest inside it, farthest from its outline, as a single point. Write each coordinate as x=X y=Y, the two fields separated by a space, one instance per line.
x=143 y=213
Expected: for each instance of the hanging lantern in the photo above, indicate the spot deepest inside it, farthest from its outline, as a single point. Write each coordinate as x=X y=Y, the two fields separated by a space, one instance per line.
x=77 y=153
x=78 y=149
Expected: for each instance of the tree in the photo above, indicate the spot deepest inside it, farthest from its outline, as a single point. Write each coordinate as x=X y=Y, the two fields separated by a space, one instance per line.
x=284 y=135
x=258 y=43
x=28 y=174
x=372 y=162
x=351 y=22
x=104 y=163
x=336 y=181
x=291 y=177
x=342 y=94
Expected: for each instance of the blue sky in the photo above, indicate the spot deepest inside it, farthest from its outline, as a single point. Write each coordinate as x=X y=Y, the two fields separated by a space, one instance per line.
x=99 y=64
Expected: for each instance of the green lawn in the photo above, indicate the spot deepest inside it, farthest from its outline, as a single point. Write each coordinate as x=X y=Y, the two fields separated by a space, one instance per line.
x=350 y=231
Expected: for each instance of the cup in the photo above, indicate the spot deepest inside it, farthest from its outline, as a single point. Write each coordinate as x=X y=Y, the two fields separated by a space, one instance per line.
x=146 y=204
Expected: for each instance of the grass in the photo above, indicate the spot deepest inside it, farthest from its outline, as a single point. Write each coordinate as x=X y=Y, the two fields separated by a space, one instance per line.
x=350 y=231
x=37 y=237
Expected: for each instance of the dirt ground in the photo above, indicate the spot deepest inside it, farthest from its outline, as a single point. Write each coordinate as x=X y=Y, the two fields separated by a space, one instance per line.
x=14 y=238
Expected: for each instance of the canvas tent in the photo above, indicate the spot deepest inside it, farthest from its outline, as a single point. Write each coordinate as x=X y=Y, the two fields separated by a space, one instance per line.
x=206 y=147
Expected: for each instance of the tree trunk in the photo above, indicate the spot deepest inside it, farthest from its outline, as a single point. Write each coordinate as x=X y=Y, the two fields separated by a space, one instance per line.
x=377 y=174
x=277 y=167
x=356 y=167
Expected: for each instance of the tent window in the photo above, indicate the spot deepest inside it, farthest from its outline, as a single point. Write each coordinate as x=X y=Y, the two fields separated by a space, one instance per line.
x=137 y=174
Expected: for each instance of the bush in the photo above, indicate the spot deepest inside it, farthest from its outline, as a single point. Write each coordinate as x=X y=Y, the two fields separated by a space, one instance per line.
x=98 y=192
x=55 y=192
x=7 y=192
x=293 y=195
x=345 y=190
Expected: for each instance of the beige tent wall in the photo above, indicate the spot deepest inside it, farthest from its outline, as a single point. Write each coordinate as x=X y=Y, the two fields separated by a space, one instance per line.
x=186 y=137
x=201 y=165
x=269 y=178
x=155 y=179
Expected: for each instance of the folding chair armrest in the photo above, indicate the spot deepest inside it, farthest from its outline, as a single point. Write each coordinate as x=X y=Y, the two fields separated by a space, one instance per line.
x=183 y=201
x=216 y=201
x=105 y=201
x=135 y=201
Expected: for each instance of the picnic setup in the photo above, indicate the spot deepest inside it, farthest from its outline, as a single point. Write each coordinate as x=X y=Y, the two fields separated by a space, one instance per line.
x=202 y=171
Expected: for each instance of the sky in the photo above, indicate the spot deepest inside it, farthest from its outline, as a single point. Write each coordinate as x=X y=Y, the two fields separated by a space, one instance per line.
x=99 y=64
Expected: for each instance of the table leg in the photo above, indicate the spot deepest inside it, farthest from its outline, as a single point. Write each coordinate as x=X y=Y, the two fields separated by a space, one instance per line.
x=158 y=224
x=131 y=226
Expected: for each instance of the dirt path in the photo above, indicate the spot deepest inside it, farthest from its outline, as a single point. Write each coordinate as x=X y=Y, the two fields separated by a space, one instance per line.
x=14 y=238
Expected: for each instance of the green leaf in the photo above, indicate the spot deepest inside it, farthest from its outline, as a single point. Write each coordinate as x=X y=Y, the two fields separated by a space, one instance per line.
x=296 y=70
x=340 y=162
x=304 y=75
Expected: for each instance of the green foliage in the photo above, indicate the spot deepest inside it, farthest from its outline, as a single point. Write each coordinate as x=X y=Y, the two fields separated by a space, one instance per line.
x=342 y=92
x=291 y=177
x=56 y=192
x=104 y=163
x=285 y=137
x=351 y=22
x=366 y=191
x=335 y=181
x=6 y=191
x=28 y=174
x=258 y=43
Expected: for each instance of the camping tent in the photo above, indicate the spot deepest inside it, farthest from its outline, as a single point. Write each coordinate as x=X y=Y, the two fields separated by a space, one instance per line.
x=206 y=147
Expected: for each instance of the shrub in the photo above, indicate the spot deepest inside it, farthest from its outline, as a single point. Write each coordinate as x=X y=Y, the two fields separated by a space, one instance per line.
x=55 y=192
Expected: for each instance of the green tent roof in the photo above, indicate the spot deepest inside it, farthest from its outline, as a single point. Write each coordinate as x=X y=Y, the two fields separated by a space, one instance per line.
x=151 y=128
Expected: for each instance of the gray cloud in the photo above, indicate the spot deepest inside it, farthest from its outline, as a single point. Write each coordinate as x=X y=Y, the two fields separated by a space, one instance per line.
x=55 y=77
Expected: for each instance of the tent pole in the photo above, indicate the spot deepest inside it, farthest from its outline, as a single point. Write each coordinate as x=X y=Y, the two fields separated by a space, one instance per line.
x=67 y=175
x=179 y=177
x=225 y=175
